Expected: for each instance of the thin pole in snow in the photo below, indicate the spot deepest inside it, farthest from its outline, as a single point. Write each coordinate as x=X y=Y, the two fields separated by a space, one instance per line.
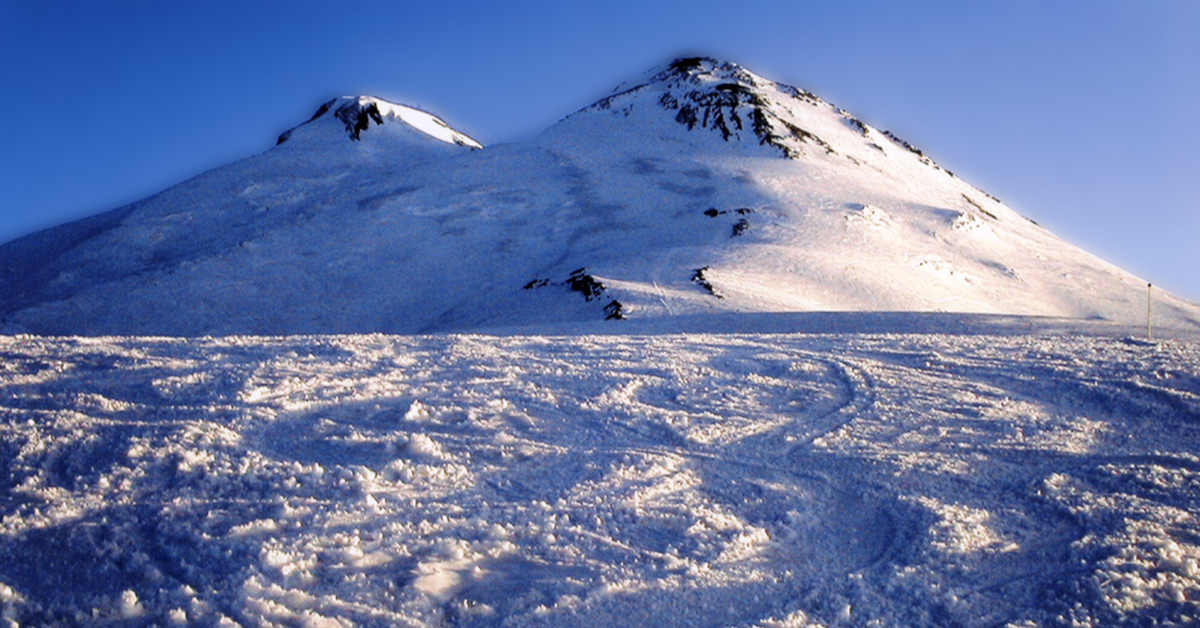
x=1149 y=311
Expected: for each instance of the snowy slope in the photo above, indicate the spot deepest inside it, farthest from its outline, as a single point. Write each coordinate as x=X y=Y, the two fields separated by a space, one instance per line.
x=700 y=189
x=769 y=480
x=839 y=215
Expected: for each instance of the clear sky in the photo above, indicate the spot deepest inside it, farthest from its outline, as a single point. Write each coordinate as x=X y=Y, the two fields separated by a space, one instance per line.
x=1078 y=114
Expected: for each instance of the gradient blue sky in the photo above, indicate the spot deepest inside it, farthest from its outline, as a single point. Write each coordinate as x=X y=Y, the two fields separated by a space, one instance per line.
x=1080 y=115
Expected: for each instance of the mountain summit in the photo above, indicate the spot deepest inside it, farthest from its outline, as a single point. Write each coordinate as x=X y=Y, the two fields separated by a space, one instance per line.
x=701 y=189
x=738 y=106
x=722 y=97
x=361 y=117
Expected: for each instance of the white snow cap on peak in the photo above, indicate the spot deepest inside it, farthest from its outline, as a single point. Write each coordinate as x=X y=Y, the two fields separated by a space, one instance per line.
x=695 y=72
x=705 y=70
x=748 y=113
x=357 y=114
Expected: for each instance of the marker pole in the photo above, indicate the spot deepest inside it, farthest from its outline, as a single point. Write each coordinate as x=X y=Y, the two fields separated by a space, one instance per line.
x=1149 y=311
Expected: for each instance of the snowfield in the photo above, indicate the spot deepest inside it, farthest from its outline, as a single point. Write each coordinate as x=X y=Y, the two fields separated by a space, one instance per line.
x=1013 y=476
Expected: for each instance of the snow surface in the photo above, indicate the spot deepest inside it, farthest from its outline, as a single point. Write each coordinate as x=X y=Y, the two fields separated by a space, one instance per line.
x=748 y=362
x=788 y=203
x=1014 y=475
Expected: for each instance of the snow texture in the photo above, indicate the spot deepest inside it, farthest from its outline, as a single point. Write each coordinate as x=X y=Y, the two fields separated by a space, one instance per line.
x=701 y=479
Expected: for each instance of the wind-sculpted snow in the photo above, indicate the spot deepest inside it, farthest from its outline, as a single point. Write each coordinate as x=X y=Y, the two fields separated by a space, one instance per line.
x=668 y=480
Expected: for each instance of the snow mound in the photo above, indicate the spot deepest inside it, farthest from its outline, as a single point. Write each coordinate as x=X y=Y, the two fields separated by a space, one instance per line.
x=867 y=216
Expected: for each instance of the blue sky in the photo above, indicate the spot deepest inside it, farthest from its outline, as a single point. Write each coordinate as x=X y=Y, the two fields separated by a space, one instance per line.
x=1079 y=114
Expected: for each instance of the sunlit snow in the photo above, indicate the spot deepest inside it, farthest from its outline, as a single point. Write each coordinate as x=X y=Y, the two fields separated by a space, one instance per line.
x=625 y=480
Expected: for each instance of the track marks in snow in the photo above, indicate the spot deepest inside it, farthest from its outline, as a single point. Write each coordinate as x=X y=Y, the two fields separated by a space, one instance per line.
x=675 y=480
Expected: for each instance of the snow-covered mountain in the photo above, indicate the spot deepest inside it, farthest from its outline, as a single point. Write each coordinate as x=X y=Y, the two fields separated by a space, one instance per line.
x=887 y=466
x=402 y=129
x=701 y=188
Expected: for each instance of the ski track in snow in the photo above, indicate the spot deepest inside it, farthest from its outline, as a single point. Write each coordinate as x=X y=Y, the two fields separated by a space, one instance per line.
x=672 y=480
